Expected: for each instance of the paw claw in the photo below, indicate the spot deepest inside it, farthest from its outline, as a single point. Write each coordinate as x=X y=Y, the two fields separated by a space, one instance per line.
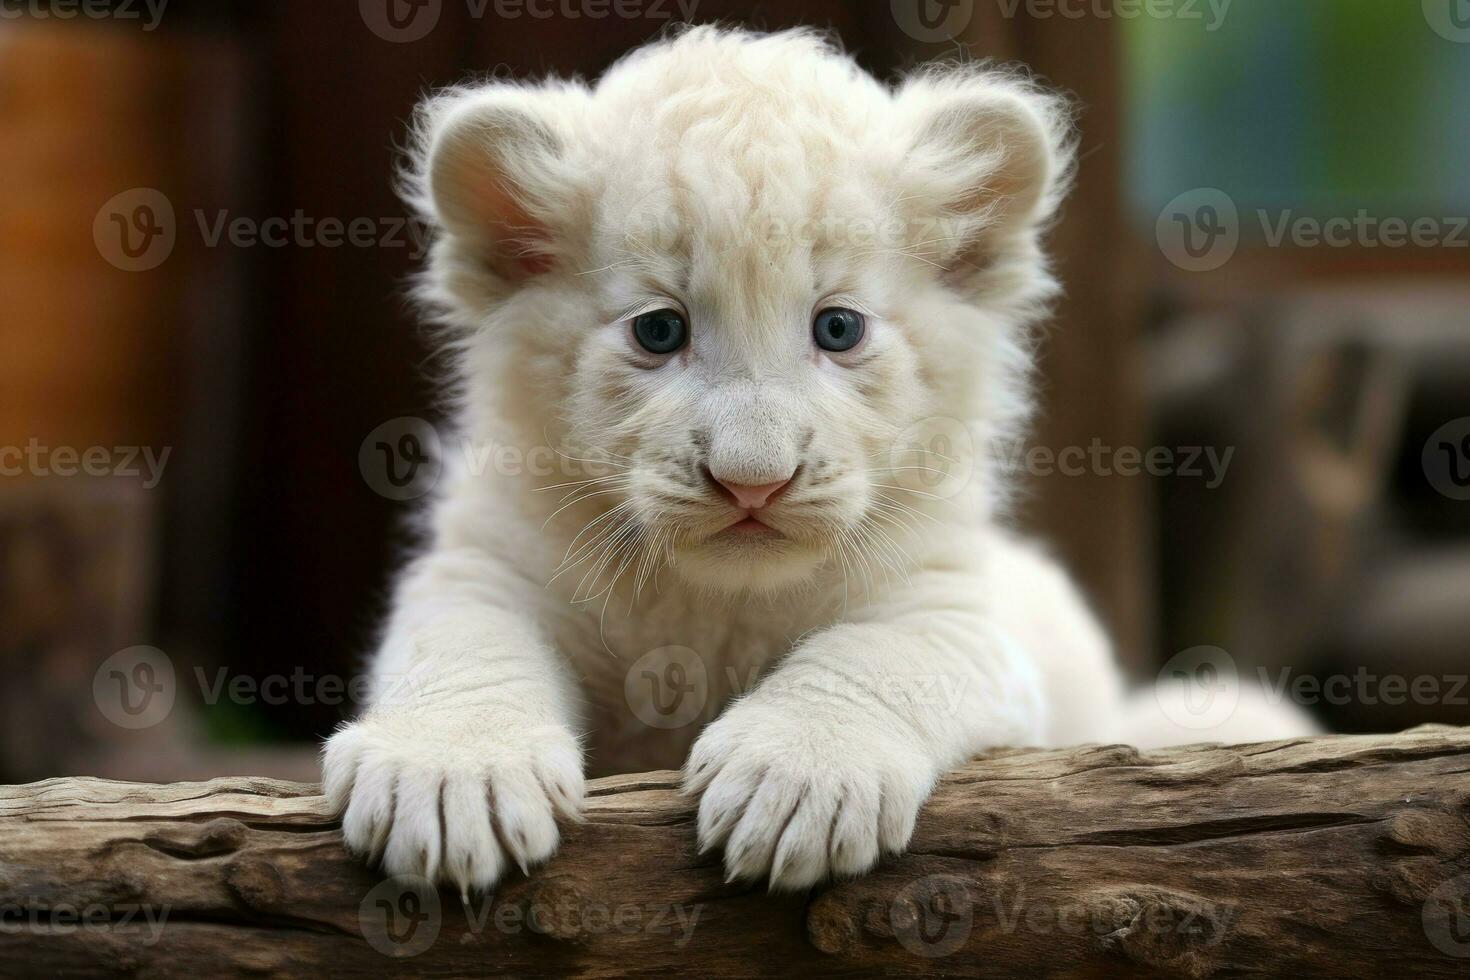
x=416 y=803
x=795 y=797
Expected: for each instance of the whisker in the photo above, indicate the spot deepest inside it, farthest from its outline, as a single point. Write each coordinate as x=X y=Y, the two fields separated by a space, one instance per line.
x=921 y=493
x=574 y=483
x=550 y=443
x=899 y=251
x=888 y=517
x=913 y=449
x=586 y=496
x=607 y=268
x=898 y=559
x=569 y=561
x=610 y=549
x=900 y=469
x=882 y=499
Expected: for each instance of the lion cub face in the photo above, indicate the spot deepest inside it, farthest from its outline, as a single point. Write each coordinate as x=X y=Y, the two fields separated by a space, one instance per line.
x=742 y=273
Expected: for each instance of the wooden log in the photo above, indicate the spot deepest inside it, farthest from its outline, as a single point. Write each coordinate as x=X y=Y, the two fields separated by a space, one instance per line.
x=1343 y=855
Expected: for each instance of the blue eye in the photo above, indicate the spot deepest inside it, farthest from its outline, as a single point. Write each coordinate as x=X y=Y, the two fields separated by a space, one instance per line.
x=661 y=332
x=838 y=330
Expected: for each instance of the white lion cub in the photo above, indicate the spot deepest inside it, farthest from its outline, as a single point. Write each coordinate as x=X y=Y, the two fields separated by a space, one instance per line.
x=765 y=315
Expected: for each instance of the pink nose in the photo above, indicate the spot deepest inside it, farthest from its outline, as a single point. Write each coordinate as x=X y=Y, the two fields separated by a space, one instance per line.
x=753 y=498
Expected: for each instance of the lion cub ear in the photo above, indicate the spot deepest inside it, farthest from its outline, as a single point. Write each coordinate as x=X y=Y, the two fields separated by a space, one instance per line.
x=497 y=175
x=992 y=157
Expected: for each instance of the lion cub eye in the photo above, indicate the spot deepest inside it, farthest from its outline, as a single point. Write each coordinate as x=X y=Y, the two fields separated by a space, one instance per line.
x=661 y=332
x=838 y=330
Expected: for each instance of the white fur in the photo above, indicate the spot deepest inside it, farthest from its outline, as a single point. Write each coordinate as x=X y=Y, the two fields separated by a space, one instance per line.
x=894 y=632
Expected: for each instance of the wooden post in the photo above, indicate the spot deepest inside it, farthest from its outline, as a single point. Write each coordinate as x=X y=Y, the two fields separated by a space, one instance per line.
x=1343 y=855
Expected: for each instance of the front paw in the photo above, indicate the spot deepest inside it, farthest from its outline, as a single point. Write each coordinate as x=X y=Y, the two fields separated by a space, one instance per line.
x=455 y=803
x=796 y=792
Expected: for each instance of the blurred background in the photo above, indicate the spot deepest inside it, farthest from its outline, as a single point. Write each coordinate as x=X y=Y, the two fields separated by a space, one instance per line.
x=1263 y=355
